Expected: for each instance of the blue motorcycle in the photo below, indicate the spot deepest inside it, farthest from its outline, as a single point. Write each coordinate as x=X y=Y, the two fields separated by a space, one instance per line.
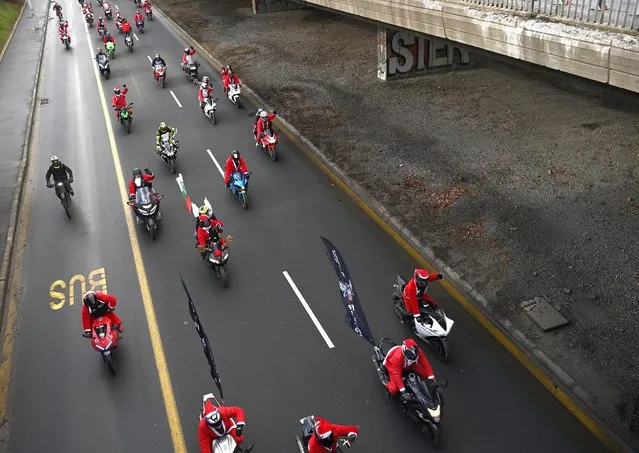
x=239 y=187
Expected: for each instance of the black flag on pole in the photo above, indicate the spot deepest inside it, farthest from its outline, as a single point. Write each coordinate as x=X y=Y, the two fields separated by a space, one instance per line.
x=204 y=339
x=355 y=317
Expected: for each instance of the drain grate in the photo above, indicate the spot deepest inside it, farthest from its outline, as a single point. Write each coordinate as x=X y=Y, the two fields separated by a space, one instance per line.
x=44 y=101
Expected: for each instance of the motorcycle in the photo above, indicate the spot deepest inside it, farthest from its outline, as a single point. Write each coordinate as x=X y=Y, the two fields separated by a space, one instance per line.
x=239 y=187
x=149 y=13
x=308 y=426
x=268 y=143
x=110 y=48
x=64 y=196
x=118 y=24
x=434 y=332
x=425 y=401
x=159 y=73
x=103 y=66
x=233 y=94
x=138 y=3
x=108 y=13
x=168 y=151
x=147 y=209
x=125 y=117
x=128 y=41
x=105 y=339
x=140 y=25
x=66 y=40
x=190 y=69
x=225 y=444
x=89 y=18
x=209 y=108
x=102 y=31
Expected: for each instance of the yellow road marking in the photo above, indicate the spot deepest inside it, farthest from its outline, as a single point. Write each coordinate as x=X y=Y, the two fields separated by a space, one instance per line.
x=97 y=282
x=175 y=426
x=544 y=379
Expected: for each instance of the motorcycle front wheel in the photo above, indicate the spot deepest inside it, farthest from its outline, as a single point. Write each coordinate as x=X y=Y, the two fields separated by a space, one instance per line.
x=66 y=203
x=153 y=227
x=244 y=200
x=110 y=363
x=432 y=433
x=272 y=154
x=223 y=276
x=172 y=165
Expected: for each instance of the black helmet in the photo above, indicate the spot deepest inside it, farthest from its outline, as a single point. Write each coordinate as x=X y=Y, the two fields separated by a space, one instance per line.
x=235 y=154
x=409 y=349
x=137 y=172
x=90 y=299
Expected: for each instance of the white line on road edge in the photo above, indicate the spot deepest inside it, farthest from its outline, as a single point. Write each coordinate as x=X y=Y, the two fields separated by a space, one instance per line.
x=176 y=99
x=215 y=162
x=149 y=59
x=136 y=36
x=308 y=310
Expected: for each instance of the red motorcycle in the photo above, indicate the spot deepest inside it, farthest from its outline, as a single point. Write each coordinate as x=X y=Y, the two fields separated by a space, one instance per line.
x=268 y=142
x=159 y=73
x=104 y=339
x=148 y=11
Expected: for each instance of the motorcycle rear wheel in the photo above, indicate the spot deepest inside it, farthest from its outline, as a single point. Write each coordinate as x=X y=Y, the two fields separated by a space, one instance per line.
x=432 y=434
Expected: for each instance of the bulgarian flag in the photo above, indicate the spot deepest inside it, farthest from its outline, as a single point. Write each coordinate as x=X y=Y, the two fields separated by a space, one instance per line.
x=190 y=206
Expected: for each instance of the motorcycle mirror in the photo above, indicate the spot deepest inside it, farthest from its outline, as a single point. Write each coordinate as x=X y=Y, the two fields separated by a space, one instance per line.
x=130 y=104
x=131 y=203
x=160 y=197
x=215 y=100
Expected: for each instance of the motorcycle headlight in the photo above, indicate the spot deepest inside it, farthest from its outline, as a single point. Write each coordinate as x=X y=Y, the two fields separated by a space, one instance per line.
x=153 y=209
x=213 y=259
x=435 y=413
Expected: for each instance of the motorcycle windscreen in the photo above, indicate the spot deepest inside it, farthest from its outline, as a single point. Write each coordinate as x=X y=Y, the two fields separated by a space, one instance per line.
x=166 y=136
x=238 y=179
x=101 y=330
x=420 y=389
x=143 y=196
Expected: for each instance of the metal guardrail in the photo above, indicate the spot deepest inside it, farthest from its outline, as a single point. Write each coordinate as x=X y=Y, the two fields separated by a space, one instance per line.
x=614 y=13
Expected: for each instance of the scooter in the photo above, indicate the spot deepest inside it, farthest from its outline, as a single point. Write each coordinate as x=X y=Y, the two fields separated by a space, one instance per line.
x=433 y=331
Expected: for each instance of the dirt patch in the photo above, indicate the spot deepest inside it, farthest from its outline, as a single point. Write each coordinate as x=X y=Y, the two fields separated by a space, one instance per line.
x=525 y=179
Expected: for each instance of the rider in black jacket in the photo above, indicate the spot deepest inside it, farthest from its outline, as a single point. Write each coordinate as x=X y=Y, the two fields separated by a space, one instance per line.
x=60 y=173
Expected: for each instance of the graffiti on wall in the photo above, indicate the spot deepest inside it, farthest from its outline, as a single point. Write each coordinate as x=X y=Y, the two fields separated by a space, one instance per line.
x=401 y=52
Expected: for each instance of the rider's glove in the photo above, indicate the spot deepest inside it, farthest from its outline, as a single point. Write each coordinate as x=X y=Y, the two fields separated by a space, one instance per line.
x=131 y=196
x=87 y=333
x=239 y=429
x=440 y=276
x=147 y=171
x=49 y=185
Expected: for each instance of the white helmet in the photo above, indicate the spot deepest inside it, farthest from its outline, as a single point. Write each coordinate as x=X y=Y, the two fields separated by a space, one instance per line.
x=203 y=85
x=263 y=114
x=205 y=79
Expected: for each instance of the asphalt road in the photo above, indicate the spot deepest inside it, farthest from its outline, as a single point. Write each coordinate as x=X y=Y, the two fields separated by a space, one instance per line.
x=272 y=359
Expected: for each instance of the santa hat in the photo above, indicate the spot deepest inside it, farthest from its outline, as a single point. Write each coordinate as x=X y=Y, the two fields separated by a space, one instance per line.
x=410 y=343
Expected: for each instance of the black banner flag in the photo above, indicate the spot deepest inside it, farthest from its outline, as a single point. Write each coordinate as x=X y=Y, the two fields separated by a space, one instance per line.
x=355 y=317
x=204 y=339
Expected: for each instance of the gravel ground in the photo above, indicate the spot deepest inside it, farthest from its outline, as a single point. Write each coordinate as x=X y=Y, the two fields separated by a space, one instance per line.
x=522 y=179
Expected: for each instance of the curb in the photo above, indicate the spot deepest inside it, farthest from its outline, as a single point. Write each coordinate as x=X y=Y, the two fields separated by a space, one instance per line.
x=572 y=396
x=13 y=31
x=7 y=256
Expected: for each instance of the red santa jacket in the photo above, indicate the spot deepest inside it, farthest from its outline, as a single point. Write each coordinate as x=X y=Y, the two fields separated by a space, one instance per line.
x=138 y=17
x=410 y=294
x=204 y=236
x=396 y=364
x=226 y=80
x=191 y=53
x=119 y=101
x=232 y=167
x=200 y=93
x=126 y=27
x=145 y=178
x=107 y=299
x=326 y=435
x=232 y=417
x=260 y=123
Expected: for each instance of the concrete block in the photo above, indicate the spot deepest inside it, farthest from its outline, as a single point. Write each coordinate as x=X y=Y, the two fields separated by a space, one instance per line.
x=626 y=81
x=543 y=314
x=624 y=60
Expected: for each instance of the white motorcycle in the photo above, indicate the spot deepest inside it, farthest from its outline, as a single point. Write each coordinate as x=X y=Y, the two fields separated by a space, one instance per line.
x=233 y=93
x=433 y=327
x=128 y=41
x=209 y=108
x=168 y=151
x=224 y=444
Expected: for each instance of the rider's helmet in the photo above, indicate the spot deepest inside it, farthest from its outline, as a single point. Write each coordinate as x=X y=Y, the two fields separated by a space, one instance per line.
x=99 y=50
x=228 y=69
x=204 y=210
x=137 y=11
x=99 y=19
x=90 y=299
x=263 y=114
x=218 y=228
x=66 y=22
x=235 y=155
x=163 y=126
x=55 y=160
x=157 y=55
x=116 y=90
x=203 y=85
x=410 y=350
x=205 y=80
x=213 y=418
x=137 y=172
x=205 y=224
x=108 y=35
x=187 y=51
x=421 y=278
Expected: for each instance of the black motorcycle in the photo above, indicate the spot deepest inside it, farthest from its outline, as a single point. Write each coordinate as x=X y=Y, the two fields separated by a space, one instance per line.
x=63 y=194
x=190 y=68
x=103 y=66
x=307 y=432
x=147 y=209
x=423 y=400
x=217 y=256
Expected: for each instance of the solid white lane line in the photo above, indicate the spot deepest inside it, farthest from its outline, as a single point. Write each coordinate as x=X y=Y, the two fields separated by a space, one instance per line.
x=136 y=36
x=215 y=162
x=176 y=99
x=297 y=292
x=150 y=59
x=116 y=7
